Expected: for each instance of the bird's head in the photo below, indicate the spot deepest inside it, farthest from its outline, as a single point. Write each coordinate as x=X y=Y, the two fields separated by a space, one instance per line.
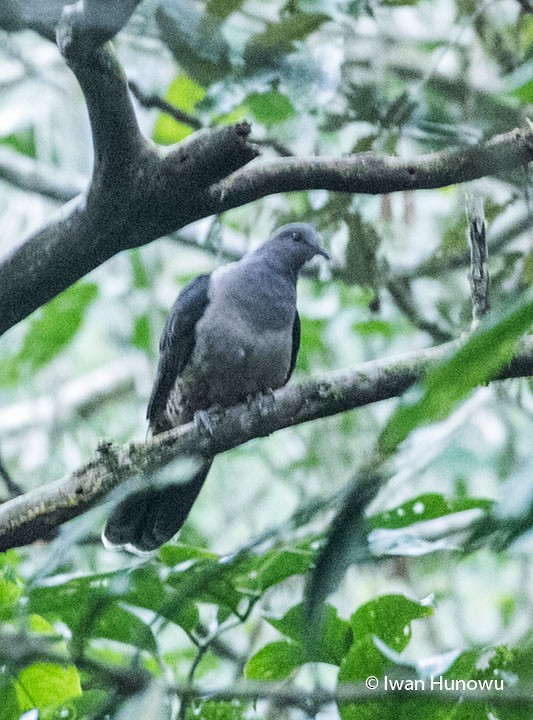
x=295 y=243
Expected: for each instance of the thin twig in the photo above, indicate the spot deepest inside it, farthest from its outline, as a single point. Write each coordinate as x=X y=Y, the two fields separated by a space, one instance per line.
x=400 y=291
x=279 y=147
x=358 y=693
x=13 y=488
x=479 y=269
x=209 y=644
x=436 y=266
x=151 y=100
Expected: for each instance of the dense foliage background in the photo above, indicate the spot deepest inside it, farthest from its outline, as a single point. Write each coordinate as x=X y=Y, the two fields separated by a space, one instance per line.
x=88 y=633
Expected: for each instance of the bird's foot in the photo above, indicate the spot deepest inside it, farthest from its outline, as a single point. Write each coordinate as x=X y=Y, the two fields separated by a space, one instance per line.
x=265 y=401
x=206 y=420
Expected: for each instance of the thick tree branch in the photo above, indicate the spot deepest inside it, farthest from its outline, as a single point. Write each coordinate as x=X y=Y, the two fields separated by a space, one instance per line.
x=28 y=517
x=137 y=197
x=134 y=191
x=375 y=175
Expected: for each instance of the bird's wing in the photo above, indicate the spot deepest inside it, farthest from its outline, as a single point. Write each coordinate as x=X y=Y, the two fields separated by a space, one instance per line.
x=295 y=343
x=177 y=342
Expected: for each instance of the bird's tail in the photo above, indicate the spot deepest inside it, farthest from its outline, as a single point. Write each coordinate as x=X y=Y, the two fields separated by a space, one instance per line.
x=148 y=518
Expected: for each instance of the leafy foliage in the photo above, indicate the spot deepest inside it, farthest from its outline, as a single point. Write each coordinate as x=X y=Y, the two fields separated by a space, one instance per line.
x=89 y=635
x=49 y=333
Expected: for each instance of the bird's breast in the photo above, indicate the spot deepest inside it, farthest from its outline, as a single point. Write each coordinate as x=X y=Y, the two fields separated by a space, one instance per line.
x=232 y=360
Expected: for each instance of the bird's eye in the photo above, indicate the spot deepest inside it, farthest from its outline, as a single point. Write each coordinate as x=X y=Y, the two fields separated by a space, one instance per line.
x=298 y=238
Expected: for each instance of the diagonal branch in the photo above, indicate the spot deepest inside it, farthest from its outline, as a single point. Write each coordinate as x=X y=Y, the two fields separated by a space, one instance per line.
x=28 y=517
x=137 y=195
x=140 y=197
x=134 y=191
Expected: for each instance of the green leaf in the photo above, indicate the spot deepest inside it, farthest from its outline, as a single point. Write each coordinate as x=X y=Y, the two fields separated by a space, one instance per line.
x=270 y=108
x=77 y=602
x=260 y=572
x=367 y=328
x=207 y=581
x=195 y=39
x=223 y=8
x=141 y=335
x=278 y=565
x=81 y=602
x=173 y=555
x=525 y=92
x=275 y=661
x=268 y=48
x=314 y=349
x=120 y=624
x=90 y=705
x=22 y=141
x=184 y=94
x=388 y=617
x=425 y=507
x=9 y=703
x=475 y=363
x=49 y=330
x=46 y=685
x=335 y=635
x=148 y=591
x=363 y=659
x=141 y=279
x=10 y=593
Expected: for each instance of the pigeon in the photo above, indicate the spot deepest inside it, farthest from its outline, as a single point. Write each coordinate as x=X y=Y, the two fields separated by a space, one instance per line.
x=231 y=335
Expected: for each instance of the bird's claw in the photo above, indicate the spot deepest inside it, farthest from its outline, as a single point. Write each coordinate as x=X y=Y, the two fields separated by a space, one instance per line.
x=205 y=420
x=264 y=401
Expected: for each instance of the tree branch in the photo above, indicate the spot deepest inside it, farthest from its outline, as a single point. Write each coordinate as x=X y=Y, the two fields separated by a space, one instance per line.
x=479 y=269
x=436 y=266
x=31 y=176
x=374 y=175
x=356 y=693
x=100 y=19
x=136 y=196
x=80 y=396
x=28 y=517
x=151 y=100
x=42 y=16
x=134 y=191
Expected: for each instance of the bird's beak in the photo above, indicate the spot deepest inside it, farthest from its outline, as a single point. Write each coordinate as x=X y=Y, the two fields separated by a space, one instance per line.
x=322 y=252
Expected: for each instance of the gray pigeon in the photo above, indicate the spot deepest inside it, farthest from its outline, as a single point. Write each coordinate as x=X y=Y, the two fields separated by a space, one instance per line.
x=231 y=335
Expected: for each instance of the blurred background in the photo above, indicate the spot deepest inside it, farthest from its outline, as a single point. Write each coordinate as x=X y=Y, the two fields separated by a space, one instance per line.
x=313 y=78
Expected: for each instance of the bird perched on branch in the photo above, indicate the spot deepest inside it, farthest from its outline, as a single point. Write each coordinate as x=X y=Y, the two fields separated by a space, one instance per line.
x=231 y=335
